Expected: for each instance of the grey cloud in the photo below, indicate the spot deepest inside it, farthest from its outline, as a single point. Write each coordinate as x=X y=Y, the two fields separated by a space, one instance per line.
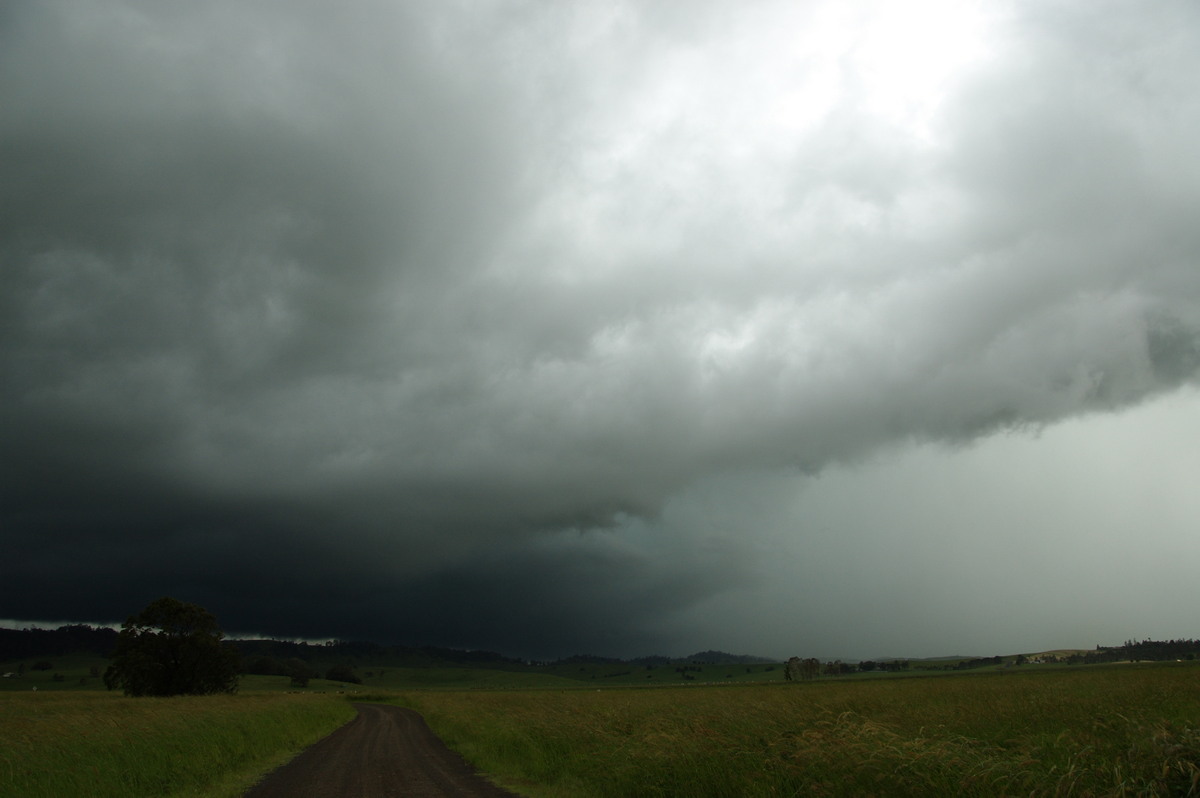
x=392 y=295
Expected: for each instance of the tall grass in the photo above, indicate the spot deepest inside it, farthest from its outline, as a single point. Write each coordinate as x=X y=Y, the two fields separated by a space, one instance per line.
x=100 y=744
x=1128 y=730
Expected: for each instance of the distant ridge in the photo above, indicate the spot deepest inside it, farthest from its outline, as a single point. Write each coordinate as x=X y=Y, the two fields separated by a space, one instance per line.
x=18 y=644
x=699 y=658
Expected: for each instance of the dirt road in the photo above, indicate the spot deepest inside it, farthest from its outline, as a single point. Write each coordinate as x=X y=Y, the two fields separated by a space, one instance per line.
x=386 y=751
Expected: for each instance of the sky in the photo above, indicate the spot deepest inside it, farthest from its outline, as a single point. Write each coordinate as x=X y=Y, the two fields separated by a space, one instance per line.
x=841 y=329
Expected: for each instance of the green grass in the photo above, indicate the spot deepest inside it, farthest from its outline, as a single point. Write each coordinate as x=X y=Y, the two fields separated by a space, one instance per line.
x=1099 y=731
x=1129 y=730
x=75 y=672
x=72 y=743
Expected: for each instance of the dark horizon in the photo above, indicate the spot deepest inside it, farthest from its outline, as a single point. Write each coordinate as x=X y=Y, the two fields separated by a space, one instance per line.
x=334 y=644
x=85 y=638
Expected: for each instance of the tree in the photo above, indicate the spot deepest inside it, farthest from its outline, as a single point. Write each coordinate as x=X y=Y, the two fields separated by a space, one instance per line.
x=265 y=666
x=299 y=671
x=342 y=673
x=797 y=669
x=172 y=648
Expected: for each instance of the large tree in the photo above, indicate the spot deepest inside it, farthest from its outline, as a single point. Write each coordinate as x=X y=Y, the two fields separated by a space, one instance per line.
x=172 y=648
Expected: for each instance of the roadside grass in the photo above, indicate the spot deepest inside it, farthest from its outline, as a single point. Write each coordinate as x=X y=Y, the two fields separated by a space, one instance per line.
x=1096 y=731
x=96 y=744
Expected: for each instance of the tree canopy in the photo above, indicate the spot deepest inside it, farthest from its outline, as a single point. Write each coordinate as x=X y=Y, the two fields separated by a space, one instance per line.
x=172 y=648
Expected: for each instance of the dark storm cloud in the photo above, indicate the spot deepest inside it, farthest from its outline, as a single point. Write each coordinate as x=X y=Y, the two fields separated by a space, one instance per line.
x=341 y=320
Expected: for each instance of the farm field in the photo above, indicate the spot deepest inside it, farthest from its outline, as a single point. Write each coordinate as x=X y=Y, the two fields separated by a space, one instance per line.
x=1093 y=731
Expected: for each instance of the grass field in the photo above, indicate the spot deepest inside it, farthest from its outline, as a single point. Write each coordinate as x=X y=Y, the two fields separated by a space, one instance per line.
x=1096 y=731
x=1127 y=730
x=75 y=672
x=74 y=743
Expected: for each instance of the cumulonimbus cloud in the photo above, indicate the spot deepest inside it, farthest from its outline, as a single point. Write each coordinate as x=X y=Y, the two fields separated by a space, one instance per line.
x=419 y=280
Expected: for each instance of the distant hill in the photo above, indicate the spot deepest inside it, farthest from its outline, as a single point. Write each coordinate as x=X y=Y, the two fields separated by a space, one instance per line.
x=374 y=653
x=16 y=644
x=704 y=658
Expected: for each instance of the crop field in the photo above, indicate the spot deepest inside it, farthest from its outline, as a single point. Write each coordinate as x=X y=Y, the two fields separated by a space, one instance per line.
x=1096 y=731
x=77 y=743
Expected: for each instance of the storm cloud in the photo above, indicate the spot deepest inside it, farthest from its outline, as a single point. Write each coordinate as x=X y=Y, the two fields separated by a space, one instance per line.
x=560 y=327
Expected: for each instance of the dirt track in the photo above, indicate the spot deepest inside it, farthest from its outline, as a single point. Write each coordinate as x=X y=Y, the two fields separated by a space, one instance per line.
x=384 y=752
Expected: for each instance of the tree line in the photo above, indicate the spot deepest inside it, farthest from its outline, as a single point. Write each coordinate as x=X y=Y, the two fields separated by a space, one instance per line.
x=1139 y=651
x=798 y=669
x=174 y=648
